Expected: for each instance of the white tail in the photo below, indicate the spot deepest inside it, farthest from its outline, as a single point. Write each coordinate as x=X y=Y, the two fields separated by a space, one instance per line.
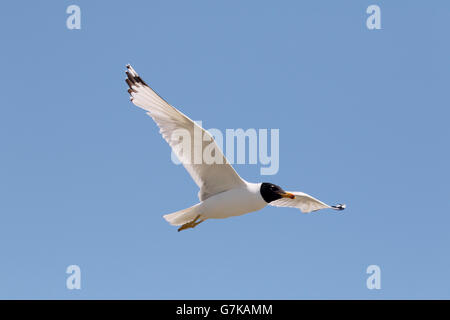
x=183 y=216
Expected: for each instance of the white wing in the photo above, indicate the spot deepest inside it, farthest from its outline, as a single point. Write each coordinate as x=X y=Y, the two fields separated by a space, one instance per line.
x=211 y=178
x=304 y=202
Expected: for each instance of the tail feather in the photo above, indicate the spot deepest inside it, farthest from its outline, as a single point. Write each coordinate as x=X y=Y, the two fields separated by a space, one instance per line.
x=181 y=217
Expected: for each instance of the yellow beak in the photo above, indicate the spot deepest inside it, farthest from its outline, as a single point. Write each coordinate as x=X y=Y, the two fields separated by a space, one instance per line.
x=287 y=195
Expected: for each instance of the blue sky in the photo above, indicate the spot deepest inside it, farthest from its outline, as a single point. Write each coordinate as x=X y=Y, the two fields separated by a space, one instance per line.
x=363 y=118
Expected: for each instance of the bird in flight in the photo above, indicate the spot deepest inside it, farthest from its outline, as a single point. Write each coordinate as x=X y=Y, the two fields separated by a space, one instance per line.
x=223 y=193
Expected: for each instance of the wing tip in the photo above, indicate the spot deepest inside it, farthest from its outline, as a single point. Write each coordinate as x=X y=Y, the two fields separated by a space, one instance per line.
x=133 y=78
x=135 y=82
x=339 y=207
x=131 y=70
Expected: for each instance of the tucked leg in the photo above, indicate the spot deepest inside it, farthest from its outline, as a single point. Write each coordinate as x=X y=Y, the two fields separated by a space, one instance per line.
x=191 y=224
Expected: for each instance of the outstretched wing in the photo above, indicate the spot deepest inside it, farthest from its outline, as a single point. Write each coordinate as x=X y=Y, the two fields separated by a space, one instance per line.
x=211 y=178
x=304 y=202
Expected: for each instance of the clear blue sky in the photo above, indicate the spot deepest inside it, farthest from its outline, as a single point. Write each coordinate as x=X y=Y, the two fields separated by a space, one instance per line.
x=363 y=118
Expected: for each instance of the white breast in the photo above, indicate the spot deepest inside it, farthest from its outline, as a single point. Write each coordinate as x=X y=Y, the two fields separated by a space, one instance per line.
x=234 y=202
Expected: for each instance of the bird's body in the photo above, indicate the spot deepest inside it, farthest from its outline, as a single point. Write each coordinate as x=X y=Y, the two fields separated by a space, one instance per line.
x=234 y=202
x=223 y=193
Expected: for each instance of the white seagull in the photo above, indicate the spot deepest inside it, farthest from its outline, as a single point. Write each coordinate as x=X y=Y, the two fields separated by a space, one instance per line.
x=223 y=193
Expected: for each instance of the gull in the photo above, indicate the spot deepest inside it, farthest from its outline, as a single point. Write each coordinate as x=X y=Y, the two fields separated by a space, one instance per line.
x=223 y=193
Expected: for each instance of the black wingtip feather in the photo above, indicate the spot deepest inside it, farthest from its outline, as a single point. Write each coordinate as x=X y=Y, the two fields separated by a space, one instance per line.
x=130 y=77
x=134 y=82
x=139 y=80
x=130 y=84
x=339 y=207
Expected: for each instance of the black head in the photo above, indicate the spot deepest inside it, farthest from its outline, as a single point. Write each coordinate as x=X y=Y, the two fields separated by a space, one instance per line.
x=271 y=192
